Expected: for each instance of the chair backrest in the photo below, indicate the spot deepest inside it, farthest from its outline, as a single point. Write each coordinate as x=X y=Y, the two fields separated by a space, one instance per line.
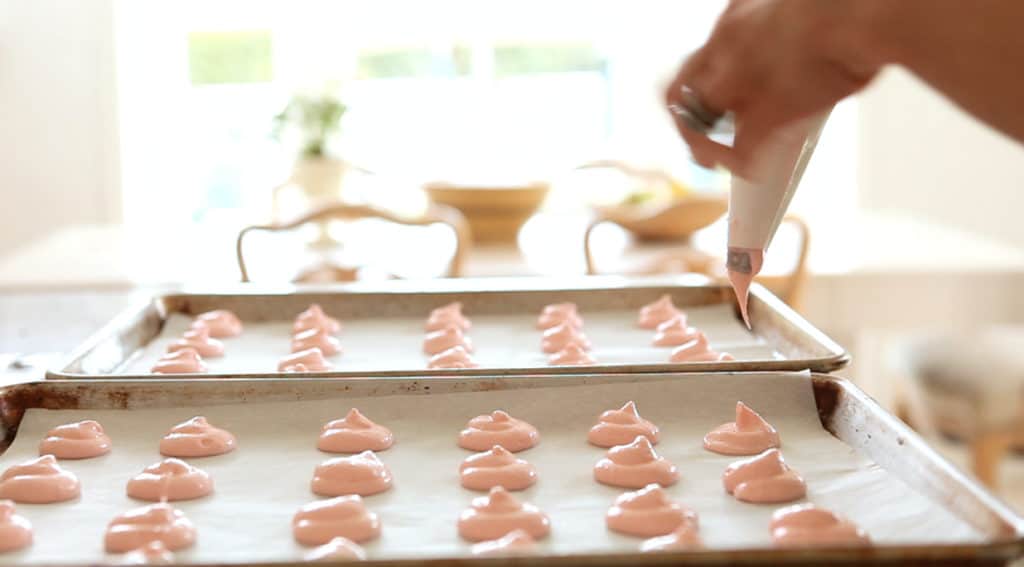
x=790 y=286
x=436 y=214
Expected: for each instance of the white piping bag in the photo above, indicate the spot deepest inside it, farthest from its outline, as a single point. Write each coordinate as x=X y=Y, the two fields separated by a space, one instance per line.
x=757 y=208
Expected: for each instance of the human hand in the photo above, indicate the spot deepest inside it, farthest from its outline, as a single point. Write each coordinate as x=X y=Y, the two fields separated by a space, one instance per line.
x=772 y=63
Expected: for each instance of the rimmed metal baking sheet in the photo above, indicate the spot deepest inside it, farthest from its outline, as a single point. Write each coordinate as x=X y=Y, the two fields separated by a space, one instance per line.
x=384 y=328
x=859 y=425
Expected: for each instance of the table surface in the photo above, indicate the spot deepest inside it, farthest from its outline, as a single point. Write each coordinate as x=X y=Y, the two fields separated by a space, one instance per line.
x=45 y=325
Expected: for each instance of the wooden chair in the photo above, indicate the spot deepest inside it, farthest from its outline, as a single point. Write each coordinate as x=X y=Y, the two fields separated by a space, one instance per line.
x=436 y=214
x=684 y=258
x=969 y=390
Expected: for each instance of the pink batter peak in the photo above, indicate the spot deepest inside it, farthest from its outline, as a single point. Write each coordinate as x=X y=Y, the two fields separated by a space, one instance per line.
x=295 y=368
x=39 y=481
x=170 y=480
x=634 y=466
x=311 y=359
x=446 y=338
x=515 y=542
x=493 y=516
x=153 y=553
x=750 y=434
x=196 y=438
x=497 y=467
x=743 y=266
x=675 y=332
x=572 y=355
x=498 y=428
x=315 y=318
x=558 y=313
x=317 y=523
x=354 y=433
x=648 y=512
x=80 y=440
x=338 y=549
x=446 y=316
x=221 y=323
x=363 y=474
x=560 y=336
x=15 y=530
x=156 y=522
x=184 y=361
x=764 y=479
x=199 y=340
x=455 y=357
x=316 y=338
x=685 y=538
x=621 y=426
x=805 y=525
x=698 y=350
x=656 y=313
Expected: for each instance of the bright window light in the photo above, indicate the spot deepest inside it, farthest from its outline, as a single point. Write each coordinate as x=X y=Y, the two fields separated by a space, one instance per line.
x=434 y=89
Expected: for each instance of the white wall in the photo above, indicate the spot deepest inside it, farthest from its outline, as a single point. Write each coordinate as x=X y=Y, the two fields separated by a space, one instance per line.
x=921 y=153
x=58 y=135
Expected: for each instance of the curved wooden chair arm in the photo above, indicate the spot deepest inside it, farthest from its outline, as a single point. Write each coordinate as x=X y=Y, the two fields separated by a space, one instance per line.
x=436 y=214
x=588 y=254
x=790 y=286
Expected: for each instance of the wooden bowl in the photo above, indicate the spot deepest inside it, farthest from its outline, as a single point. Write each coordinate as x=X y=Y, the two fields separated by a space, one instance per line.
x=672 y=221
x=495 y=213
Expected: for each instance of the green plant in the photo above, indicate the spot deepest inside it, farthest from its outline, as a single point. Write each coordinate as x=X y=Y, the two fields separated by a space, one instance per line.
x=316 y=118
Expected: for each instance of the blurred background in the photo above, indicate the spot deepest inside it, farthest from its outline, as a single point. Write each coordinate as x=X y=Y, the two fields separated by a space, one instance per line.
x=484 y=138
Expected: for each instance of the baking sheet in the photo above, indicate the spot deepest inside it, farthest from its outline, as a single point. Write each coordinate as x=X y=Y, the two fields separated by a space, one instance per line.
x=260 y=485
x=501 y=341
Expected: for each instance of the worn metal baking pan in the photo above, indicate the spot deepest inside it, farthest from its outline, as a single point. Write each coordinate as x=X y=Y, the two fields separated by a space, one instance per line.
x=795 y=342
x=797 y=345
x=844 y=411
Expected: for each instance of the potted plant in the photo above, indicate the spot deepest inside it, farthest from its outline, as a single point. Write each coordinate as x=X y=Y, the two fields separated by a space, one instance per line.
x=313 y=120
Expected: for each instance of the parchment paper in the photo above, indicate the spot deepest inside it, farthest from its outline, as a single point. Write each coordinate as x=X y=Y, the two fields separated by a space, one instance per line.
x=501 y=341
x=261 y=484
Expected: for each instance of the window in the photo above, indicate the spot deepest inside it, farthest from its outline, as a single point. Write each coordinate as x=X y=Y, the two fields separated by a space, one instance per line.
x=436 y=88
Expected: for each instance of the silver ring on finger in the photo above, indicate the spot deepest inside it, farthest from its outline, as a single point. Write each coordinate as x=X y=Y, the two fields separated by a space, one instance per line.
x=693 y=113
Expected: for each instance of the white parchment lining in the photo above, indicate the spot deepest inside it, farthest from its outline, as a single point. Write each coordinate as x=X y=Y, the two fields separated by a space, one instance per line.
x=501 y=341
x=260 y=485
